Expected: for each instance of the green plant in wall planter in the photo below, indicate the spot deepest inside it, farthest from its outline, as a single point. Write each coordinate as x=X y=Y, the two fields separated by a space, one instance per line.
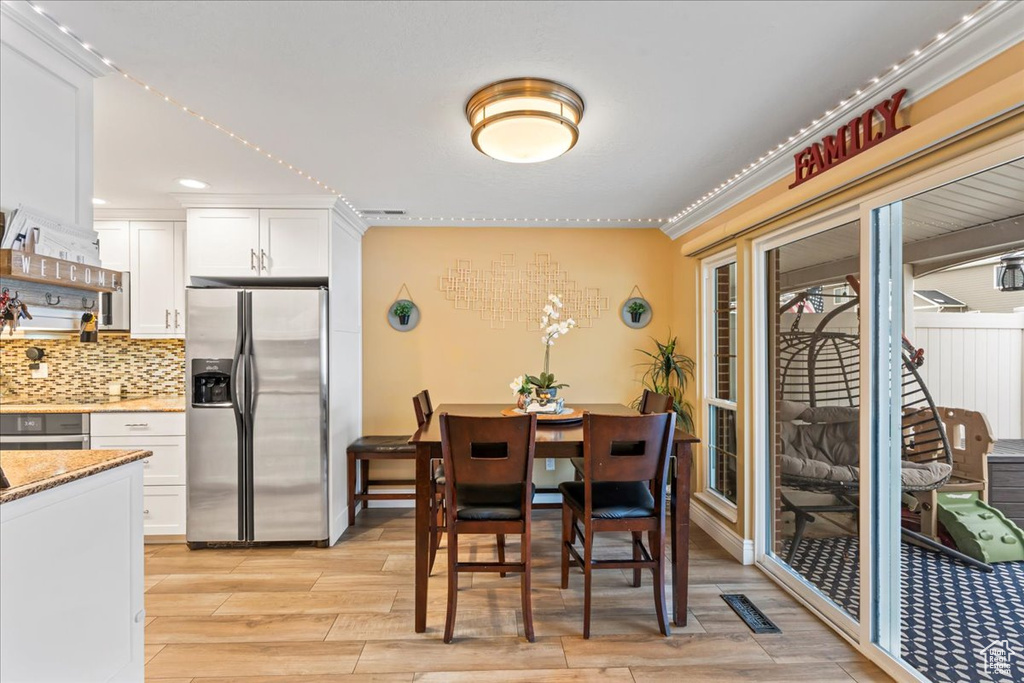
x=668 y=372
x=402 y=310
x=636 y=309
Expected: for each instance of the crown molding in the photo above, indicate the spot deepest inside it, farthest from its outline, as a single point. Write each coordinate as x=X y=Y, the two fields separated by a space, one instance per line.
x=110 y=214
x=22 y=14
x=973 y=45
x=195 y=200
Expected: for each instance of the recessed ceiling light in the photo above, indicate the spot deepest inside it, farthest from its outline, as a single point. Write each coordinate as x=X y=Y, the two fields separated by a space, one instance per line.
x=193 y=184
x=97 y=201
x=525 y=120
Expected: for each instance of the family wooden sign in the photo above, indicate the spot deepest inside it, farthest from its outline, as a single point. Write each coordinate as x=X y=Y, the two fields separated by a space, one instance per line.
x=19 y=265
x=859 y=135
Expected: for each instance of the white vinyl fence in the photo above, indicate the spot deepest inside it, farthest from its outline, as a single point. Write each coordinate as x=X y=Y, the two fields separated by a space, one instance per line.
x=974 y=361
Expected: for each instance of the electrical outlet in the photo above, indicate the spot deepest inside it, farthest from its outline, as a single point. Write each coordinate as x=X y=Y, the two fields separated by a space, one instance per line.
x=549 y=464
x=40 y=371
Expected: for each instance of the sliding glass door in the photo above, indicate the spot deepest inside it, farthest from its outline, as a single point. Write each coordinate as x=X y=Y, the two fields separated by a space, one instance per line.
x=812 y=357
x=947 y=348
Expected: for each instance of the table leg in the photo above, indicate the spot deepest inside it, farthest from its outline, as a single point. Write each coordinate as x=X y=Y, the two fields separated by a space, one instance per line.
x=680 y=507
x=423 y=453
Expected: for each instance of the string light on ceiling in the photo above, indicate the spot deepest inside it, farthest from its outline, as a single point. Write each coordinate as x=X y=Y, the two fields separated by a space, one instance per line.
x=192 y=112
x=849 y=100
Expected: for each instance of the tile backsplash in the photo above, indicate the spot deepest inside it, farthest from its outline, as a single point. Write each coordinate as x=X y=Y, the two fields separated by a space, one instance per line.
x=142 y=366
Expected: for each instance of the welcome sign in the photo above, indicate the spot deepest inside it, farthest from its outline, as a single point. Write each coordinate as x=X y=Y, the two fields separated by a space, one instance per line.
x=34 y=268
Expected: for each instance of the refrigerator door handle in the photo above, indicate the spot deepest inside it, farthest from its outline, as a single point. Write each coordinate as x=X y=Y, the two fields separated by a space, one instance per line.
x=250 y=405
x=238 y=379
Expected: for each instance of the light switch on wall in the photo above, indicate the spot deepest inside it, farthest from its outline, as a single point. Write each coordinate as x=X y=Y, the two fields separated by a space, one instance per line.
x=549 y=464
x=40 y=370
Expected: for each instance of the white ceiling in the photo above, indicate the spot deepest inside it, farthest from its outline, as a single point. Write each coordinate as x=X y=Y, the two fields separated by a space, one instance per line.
x=369 y=96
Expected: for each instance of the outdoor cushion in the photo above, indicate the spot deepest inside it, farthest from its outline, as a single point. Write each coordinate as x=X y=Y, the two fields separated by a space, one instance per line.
x=612 y=499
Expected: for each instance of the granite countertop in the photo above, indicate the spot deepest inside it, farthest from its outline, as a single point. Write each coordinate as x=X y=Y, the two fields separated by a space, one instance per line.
x=34 y=471
x=98 y=404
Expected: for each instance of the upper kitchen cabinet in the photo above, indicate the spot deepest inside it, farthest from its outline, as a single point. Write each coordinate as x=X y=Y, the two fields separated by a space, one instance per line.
x=233 y=244
x=293 y=243
x=115 y=244
x=223 y=243
x=46 y=117
x=157 y=279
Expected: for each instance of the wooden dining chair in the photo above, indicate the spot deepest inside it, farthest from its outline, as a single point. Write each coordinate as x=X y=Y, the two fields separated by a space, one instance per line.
x=652 y=402
x=488 y=489
x=625 y=472
x=424 y=409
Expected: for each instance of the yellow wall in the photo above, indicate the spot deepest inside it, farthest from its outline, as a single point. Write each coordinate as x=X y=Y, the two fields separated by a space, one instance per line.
x=979 y=108
x=458 y=357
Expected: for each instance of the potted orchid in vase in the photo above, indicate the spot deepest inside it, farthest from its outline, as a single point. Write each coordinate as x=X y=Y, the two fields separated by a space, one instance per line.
x=544 y=385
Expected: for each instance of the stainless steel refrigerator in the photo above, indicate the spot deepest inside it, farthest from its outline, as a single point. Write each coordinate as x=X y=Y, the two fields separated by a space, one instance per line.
x=256 y=444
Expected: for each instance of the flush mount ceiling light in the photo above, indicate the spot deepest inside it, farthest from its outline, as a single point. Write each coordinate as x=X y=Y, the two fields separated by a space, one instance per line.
x=525 y=120
x=193 y=184
x=96 y=201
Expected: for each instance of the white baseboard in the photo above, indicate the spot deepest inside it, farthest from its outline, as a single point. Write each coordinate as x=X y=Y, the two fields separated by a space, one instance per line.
x=340 y=523
x=737 y=546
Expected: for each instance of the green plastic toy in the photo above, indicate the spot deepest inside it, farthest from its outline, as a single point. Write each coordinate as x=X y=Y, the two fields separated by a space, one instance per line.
x=979 y=529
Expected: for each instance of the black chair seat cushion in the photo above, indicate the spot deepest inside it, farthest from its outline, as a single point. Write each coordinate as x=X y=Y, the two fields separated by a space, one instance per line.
x=491 y=501
x=612 y=499
x=382 y=444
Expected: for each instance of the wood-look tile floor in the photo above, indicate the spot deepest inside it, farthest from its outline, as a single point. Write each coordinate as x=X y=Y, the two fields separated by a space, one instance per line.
x=270 y=615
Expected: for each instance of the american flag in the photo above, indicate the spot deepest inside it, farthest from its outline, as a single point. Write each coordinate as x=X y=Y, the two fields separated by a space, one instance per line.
x=814 y=302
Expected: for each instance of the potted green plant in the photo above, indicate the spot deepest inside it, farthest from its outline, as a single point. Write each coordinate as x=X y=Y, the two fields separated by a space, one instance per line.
x=669 y=372
x=402 y=310
x=521 y=389
x=636 y=309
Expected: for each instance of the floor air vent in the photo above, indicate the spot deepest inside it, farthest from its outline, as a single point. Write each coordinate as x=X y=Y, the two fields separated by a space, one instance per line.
x=749 y=613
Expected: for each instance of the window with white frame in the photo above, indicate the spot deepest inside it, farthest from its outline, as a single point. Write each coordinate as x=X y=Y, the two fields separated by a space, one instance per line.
x=720 y=376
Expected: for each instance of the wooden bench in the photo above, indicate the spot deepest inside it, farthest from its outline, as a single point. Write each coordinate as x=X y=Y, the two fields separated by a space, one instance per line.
x=360 y=453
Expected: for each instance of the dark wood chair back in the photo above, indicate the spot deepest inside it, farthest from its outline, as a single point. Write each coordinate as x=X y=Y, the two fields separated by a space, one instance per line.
x=621 y=448
x=488 y=451
x=653 y=402
x=421 y=404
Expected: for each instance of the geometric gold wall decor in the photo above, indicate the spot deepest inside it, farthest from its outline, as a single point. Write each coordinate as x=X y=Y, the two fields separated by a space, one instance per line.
x=507 y=293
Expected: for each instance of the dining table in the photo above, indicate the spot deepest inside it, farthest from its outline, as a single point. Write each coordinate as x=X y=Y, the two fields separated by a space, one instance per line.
x=559 y=440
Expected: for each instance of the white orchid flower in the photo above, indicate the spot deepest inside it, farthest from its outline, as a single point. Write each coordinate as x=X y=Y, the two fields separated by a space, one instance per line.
x=555 y=315
x=571 y=322
x=544 y=321
x=517 y=385
x=552 y=298
x=548 y=310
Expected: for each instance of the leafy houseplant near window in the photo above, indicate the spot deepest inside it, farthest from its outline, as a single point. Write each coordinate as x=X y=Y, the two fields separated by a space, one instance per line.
x=402 y=310
x=668 y=372
x=636 y=309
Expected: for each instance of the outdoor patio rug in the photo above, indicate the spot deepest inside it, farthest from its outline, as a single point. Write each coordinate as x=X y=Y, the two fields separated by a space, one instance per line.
x=950 y=612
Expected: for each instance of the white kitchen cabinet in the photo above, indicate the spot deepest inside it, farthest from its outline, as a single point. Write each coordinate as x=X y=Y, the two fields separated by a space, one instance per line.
x=293 y=243
x=163 y=473
x=115 y=249
x=157 y=282
x=223 y=243
x=258 y=243
x=180 y=279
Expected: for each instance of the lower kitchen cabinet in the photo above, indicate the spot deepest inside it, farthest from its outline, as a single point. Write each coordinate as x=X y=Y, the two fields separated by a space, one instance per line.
x=163 y=510
x=163 y=472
